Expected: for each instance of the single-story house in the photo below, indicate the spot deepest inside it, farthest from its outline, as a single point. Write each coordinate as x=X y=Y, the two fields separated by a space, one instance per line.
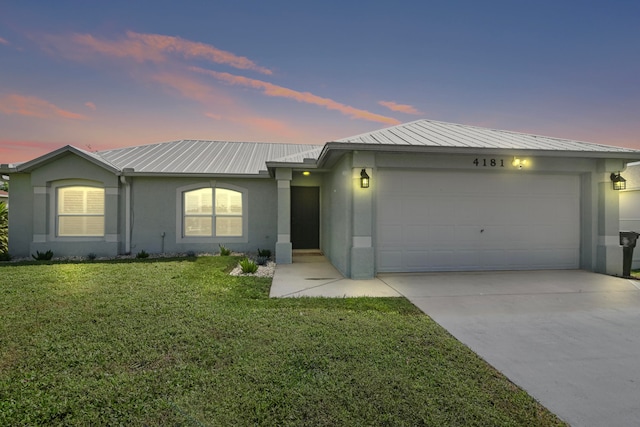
x=421 y=196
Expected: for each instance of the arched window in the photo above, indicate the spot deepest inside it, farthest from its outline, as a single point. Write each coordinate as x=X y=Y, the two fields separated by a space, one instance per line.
x=80 y=211
x=213 y=212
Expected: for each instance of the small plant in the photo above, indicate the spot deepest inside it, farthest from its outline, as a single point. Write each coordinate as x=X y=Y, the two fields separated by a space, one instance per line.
x=191 y=254
x=142 y=254
x=262 y=260
x=4 y=228
x=91 y=256
x=224 y=251
x=43 y=256
x=248 y=266
x=266 y=253
x=5 y=256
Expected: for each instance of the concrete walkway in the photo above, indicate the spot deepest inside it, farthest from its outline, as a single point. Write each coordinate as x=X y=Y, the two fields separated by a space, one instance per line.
x=313 y=276
x=570 y=338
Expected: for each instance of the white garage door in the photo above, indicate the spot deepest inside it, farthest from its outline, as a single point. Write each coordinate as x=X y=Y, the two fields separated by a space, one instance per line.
x=450 y=221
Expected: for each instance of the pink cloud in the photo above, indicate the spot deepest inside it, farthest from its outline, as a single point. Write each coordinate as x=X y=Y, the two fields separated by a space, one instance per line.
x=13 y=151
x=90 y=105
x=189 y=88
x=400 y=108
x=139 y=47
x=32 y=106
x=270 y=89
x=263 y=124
x=3 y=41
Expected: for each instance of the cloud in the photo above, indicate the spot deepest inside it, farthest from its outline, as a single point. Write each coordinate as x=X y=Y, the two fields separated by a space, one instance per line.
x=3 y=41
x=90 y=105
x=265 y=125
x=400 y=108
x=270 y=89
x=155 y=48
x=191 y=88
x=32 y=106
x=13 y=151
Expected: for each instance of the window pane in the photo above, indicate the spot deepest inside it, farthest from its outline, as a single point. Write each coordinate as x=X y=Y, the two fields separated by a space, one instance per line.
x=80 y=211
x=81 y=200
x=198 y=201
x=95 y=201
x=71 y=200
x=197 y=226
x=228 y=202
x=228 y=226
x=81 y=226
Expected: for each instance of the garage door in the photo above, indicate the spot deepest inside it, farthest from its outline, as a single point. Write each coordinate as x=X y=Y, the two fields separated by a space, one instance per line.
x=452 y=221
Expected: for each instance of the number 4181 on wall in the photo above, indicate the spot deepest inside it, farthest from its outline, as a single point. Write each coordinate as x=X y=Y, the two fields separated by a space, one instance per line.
x=489 y=162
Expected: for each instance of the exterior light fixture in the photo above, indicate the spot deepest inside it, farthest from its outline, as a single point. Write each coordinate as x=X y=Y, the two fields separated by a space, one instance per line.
x=619 y=183
x=519 y=163
x=306 y=173
x=364 y=179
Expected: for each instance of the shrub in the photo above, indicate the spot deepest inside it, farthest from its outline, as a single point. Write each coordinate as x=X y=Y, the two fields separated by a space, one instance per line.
x=91 y=256
x=43 y=256
x=224 y=251
x=5 y=256
x=248 y=266
x=142 y=254
x=266 y=253
x=4 y=228
x=262 y=260
x=191 y=254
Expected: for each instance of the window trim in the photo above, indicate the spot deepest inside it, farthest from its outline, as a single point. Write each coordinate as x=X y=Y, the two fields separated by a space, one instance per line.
x=180 y=217
x=54 y=197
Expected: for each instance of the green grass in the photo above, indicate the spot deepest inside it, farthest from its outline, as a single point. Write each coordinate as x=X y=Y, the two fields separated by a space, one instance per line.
x=180 y=342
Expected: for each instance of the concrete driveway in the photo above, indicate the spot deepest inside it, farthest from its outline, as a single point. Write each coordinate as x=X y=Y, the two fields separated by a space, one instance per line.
x=570 y=338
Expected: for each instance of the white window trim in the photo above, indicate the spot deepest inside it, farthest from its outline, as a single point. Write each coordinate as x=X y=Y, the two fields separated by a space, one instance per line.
x=180 y=238
x=53 y=196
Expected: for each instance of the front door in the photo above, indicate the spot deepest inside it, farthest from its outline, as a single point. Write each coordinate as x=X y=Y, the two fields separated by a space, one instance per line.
x=305 y=217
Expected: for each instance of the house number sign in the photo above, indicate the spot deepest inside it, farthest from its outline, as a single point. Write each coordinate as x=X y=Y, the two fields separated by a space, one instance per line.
x=490 y=163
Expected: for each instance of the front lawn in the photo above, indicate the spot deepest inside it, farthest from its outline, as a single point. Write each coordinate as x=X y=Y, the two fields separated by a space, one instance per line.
x=180 y=342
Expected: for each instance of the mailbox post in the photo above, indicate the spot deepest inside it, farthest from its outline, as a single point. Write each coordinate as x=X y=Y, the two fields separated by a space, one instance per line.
x=628 y=241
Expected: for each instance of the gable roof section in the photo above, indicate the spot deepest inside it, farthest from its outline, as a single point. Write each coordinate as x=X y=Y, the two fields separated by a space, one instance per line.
x=94 y=158
x=206 y=157
x=429 y=133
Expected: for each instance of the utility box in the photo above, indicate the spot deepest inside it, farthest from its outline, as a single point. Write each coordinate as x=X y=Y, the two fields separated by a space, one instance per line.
x=628 y=241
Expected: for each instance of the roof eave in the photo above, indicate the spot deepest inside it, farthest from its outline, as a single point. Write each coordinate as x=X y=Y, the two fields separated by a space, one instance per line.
x=261 y=175
x=332 y=148
x=49 y=157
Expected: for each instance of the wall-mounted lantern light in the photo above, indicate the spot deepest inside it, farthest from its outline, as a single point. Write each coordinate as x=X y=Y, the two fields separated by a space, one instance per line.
x=519 y=163
x=306 y=173
x=364 y=179
x=619 y=183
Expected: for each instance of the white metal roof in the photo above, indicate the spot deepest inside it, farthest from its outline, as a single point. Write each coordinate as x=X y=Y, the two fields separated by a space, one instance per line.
x=207 y=157
x=429 y=133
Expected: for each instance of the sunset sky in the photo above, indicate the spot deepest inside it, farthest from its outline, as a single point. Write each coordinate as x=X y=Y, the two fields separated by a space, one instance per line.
x=101 y=75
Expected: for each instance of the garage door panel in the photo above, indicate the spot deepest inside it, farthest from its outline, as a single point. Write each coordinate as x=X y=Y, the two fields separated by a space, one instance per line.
x=440 y=221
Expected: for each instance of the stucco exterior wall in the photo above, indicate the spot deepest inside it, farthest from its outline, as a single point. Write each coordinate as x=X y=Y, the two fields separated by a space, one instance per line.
x=630 y=218
x=34 y=209
x=336 y=215
x=599 y=202
x=21 y=215
x=156 y=218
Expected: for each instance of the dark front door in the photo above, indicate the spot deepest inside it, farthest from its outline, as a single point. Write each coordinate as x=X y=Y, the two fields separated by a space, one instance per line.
x=305 y=217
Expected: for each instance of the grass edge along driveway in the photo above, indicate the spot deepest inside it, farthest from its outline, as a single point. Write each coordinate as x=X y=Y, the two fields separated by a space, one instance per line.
x=180 y=342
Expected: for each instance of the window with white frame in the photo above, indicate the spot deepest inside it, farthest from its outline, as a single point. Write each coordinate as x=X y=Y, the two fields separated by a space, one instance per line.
x=212 y=212
x=80 y=211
